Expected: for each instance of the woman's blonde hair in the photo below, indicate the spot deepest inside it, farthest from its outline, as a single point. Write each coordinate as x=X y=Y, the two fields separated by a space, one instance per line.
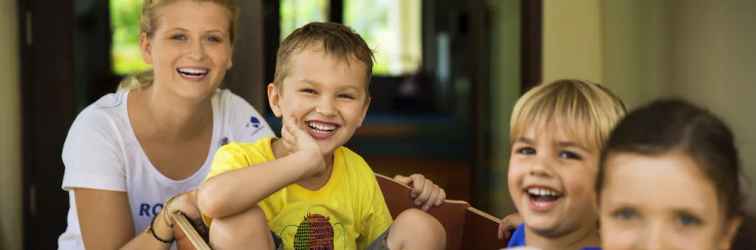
x=585 y=110
x=148 y=22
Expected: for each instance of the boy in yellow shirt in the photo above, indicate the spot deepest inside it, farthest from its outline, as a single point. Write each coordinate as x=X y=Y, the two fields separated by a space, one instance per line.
x=305 y=187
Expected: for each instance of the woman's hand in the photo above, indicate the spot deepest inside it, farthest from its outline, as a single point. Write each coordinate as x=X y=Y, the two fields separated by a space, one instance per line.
x=186 y=203
x=425 y=193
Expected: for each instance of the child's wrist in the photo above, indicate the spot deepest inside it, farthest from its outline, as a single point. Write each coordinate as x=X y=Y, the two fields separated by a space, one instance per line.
x=312 y=160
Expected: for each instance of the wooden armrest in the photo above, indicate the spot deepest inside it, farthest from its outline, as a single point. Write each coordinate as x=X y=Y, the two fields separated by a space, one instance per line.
x=466 y=227
x=481 y=231
x=187 y=237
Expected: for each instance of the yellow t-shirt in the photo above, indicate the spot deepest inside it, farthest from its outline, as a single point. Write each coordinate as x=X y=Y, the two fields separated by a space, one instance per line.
x=348 y=212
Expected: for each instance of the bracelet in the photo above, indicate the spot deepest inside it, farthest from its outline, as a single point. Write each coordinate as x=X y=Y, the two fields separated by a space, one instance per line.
x=154 y=235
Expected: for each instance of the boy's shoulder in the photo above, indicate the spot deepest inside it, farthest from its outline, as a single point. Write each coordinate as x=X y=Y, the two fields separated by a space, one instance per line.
x=262 y=145
x=245 y=153
x=352 y=166
x=351 y=158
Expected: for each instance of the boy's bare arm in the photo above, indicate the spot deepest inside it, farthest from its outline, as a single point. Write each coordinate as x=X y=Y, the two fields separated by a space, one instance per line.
x=236 y=191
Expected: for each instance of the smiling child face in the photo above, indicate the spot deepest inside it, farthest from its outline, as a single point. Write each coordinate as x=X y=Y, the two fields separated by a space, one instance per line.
x=551 y=177
x=327 y=94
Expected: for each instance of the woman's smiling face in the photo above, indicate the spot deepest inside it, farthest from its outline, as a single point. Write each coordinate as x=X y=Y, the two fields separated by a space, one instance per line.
x=190 y=48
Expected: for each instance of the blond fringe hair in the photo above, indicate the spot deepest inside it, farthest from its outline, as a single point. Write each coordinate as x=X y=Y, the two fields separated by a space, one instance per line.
x=148 y=22
x=586 y=111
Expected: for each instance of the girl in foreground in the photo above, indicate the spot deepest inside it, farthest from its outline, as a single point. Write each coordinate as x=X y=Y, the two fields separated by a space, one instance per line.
x=669 y=179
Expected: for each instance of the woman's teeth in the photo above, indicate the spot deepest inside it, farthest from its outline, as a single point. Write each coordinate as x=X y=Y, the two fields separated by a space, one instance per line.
x=192 y=72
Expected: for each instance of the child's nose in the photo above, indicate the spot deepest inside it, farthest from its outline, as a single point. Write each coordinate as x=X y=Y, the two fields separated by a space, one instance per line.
x=325 y=106
x=654 y=237
x=541 y=166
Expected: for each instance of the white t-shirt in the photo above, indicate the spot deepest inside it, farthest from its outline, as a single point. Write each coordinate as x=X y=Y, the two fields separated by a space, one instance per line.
x=102 y=152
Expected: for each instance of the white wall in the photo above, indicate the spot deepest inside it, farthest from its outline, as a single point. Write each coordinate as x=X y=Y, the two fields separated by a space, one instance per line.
x=703 y=51
x=10 y=129
x=714 y=64
x=700 y=50
x=572 y=40
x=636 y=49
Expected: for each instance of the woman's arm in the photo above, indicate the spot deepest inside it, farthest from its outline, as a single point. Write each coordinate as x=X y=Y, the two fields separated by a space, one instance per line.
x=106 y=222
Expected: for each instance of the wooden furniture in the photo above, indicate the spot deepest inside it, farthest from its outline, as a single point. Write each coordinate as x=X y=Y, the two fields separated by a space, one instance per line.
x=466 y=227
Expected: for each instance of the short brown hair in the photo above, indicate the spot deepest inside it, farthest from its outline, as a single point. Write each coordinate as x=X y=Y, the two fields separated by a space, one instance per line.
x=336 y=39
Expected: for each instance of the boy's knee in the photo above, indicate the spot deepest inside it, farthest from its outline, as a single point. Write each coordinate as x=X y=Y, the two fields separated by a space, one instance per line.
x=240 y=229
x=413 y=222
x=252 y=217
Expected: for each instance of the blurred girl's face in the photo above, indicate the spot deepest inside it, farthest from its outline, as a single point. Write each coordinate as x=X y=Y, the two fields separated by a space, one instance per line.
x=190 y=49
x=661 y=202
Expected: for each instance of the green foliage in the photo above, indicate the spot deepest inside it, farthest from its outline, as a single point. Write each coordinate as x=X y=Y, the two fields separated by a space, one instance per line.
x=125 y=25
x=296 y=13
x=372 y=25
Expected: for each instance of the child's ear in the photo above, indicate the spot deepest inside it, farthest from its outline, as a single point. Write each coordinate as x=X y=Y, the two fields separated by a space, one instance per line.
x=730 y=231
x=145 y=46
x=364 y=110
x=273 y=99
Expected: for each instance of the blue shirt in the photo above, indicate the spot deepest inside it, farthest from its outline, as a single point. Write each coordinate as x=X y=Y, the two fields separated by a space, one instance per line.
x=518 y=239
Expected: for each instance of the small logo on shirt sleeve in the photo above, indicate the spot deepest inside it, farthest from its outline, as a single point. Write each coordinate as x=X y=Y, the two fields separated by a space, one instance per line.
x=254 y=122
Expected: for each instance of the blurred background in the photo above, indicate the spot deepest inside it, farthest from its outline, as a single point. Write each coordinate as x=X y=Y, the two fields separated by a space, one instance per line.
x=446 y=78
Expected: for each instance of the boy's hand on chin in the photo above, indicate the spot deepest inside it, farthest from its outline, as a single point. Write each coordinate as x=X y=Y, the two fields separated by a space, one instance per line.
x=297 y=140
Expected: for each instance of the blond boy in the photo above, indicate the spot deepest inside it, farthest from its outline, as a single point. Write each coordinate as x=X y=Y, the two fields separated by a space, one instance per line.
x=557 y=132
x=306 y=188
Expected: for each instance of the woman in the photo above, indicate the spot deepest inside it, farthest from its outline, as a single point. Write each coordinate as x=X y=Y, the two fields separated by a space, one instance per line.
x=155 y=137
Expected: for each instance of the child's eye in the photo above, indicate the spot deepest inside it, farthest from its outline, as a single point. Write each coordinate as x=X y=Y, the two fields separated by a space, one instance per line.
x=687 y=219
x=526 y=151
x=346 y=96
x=625 y=214
x=569 y=155
x=308 y=91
